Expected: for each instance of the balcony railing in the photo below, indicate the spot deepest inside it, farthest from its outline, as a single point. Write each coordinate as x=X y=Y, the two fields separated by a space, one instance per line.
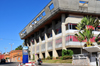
x=49 y=45
x=33 y=50
x=58 y=42
x=37 y=49
x=43 y=47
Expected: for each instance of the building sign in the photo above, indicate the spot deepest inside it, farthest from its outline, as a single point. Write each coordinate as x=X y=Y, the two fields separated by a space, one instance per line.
x=25 y=50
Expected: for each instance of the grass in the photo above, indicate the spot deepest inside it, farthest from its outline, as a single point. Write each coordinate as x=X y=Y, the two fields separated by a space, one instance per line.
x=57 y=61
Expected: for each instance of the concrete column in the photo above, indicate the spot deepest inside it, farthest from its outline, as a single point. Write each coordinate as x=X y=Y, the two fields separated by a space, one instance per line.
x=31 y=52
x=40 y=42
x=54 y=52
x=46 y=39
x=36 y=57
x=63 y=30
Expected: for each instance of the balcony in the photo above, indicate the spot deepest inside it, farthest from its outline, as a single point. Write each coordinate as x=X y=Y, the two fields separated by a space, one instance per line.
x=71 y=41
x=37 y=49
x=33 y=50
x=49 y=44
x=43 y=47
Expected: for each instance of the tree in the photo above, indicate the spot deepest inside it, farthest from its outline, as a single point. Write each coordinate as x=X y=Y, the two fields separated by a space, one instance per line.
x=85 y=27
x=19 y=47
x=97 y=39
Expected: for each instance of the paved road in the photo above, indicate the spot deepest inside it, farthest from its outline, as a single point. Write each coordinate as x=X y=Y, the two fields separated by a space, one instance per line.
x=44 y=64
x=9 y=64
x=49 y=64
x=55 y=64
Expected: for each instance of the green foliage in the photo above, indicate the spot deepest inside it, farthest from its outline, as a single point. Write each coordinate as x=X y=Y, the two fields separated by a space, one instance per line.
x=19 y=47
x=67 y=52
x=88 y=21
x=7 y=58
x=97 y=39
x=48 y=58
x=85 y=33
x=57 y=57
x=33 y=57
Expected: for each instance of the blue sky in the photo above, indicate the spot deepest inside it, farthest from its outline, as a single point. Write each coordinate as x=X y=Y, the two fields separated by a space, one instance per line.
x=14 y=16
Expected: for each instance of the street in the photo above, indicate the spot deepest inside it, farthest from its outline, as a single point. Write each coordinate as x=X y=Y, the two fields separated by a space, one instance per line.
x=50 y=64
x=44 y=64
x=9 y=64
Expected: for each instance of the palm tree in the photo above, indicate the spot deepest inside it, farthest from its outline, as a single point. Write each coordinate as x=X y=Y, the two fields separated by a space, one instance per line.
x=85 y=27
x=97 y=39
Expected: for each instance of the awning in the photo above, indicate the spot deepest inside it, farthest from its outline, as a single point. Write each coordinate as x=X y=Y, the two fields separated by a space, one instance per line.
x=92 y=49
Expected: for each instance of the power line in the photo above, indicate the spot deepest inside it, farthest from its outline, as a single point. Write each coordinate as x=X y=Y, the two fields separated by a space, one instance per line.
x=10 y=39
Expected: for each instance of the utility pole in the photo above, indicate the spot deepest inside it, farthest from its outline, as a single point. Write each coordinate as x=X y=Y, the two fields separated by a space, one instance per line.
x=5 y=50
x=11 y=50
x=11 y=45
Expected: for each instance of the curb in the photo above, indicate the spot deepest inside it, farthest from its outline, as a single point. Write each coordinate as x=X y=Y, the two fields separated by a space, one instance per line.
x=56 y=63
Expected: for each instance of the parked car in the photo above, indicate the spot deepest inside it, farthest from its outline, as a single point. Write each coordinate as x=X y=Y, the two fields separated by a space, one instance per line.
x=3 y=61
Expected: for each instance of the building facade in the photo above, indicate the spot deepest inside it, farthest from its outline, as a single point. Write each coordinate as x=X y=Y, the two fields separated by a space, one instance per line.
x=14 y=56
x=53 y=28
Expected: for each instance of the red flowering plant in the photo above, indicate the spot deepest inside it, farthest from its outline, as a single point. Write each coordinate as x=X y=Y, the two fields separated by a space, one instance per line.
x=89 y=27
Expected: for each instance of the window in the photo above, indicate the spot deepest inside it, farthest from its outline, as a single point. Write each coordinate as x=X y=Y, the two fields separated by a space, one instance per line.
x=98 y=0
x=97 y=28
x=66 y=26
x=37 y=40
x=40 y=16
x=44 y=13
x=33 y=23
x=51 y=6
x=71 y=26
x=19 y=58
x=24 y=31
x=84 y=2
x=58 y=30
x=74 y=26
x=42 y=38
x=49 y=35
x=37 y=19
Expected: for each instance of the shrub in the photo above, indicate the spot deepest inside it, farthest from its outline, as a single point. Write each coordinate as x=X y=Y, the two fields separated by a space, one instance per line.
x=57 y=57
x=48 y=58
x=61 y=58
x=67 y=52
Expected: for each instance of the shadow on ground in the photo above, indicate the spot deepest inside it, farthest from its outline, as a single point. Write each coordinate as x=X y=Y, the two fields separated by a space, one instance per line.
x=8 y=63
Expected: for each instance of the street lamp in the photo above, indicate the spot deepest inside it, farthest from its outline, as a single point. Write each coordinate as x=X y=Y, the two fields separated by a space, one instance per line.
x=11 y=49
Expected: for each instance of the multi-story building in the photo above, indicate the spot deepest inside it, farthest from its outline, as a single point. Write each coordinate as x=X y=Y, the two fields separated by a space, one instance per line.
x=14 y=56
x=53 y=28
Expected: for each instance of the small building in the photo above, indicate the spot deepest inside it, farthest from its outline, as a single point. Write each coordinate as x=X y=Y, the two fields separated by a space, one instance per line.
x=14 y=56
